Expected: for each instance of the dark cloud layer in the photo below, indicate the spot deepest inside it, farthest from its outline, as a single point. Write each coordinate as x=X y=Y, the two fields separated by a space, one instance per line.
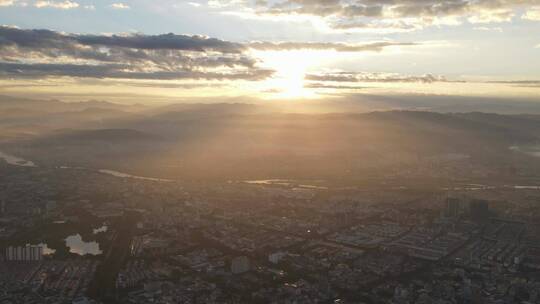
x=50 y=39
x=340 y=47
x=372 y=77
x=19 y=70
x=43 y=53
x=163 y=42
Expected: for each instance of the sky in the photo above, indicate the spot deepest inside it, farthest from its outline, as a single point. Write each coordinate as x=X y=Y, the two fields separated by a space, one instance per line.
x=268 y=49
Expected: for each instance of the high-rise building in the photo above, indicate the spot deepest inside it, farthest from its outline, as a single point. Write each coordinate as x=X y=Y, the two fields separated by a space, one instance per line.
x=240 y=265
x=23 y=253
x=452 y=207
x=479 y=210
x=50 y=206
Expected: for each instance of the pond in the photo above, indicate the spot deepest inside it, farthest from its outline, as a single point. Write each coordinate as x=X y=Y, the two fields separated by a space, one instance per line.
x=78 y=246
x=101 y=229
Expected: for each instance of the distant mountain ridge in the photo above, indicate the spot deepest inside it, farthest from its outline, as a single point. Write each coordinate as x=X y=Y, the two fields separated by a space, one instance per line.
x=226 y=139
x=99 y=135
x=53 y=105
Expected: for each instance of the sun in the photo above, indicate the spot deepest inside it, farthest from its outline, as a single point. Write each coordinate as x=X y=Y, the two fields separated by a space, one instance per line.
x=289 y=83
x=290 y=69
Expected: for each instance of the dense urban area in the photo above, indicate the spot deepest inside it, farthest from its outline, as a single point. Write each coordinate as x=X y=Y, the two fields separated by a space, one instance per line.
x=76 y=235
x=270 y=152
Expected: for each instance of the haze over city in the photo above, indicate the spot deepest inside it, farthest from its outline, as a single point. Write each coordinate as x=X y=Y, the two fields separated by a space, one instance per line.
x=269 y=151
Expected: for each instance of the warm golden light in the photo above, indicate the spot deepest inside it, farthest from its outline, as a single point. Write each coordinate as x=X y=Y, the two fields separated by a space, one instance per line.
x=291 y=67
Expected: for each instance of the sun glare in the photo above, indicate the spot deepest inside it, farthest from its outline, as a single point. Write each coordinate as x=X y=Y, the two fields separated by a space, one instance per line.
x=291 y=68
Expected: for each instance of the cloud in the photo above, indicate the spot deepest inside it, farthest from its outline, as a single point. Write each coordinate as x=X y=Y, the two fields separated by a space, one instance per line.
x=520 y=83
x=372 y=77
x=44 y=53
x=398 y=15
x=65 y=5
x=11 y=36
x=319 y=85
x=353 y=80
x=150 y=83
x=378 y=25
x=488 y=29
x=118 y=71
x=492 y=16
x=120 y=6
x=7 y=2
x=532 y=14
x=165 y=41
x=339 y=47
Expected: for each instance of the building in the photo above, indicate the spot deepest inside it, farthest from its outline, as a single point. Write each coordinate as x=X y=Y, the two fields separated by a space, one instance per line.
x=452 y=207
x=23 y=254
x=50 y=206
x=479 y=210
x=275 y=257
x=240 y=265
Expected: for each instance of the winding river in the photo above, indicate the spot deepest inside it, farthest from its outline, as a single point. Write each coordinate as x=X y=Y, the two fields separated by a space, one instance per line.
x=16 y=161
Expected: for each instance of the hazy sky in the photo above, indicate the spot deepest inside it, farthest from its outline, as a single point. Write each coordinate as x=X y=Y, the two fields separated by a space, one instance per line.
x=269 y=49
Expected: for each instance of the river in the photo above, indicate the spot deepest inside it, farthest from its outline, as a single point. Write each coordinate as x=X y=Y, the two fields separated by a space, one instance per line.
x=16 y=161
x=127 y=175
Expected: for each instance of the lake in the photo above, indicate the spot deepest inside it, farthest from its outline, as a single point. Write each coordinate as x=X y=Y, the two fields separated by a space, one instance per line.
x=78 y=246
